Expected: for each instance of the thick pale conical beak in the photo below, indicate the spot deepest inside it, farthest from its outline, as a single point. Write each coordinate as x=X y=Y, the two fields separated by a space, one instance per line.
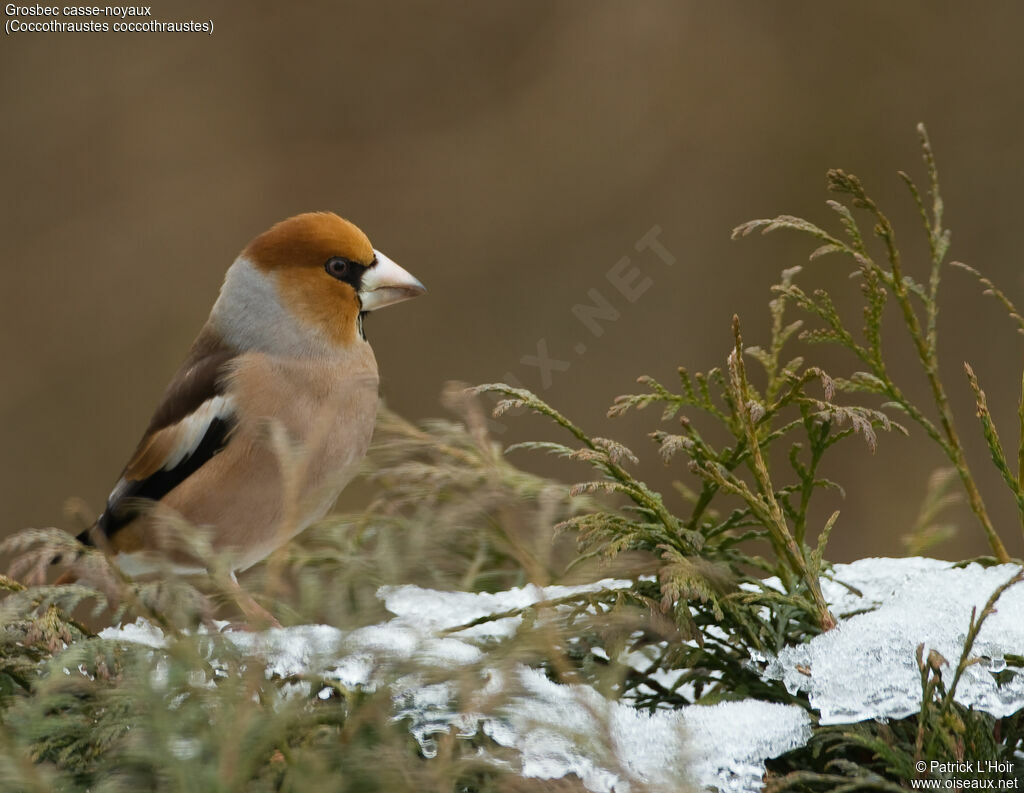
x=386 y=283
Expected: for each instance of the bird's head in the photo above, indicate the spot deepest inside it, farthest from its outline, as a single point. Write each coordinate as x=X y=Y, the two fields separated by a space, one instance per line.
x=316 y=271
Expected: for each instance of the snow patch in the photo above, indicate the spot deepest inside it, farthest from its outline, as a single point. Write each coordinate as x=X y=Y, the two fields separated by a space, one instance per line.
x=866 y=668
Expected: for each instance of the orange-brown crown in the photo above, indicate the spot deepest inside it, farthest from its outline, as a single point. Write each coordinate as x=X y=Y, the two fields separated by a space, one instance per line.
x=309 y=240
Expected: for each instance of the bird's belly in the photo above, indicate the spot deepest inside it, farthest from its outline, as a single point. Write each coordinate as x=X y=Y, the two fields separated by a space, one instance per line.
x=282 y=470
x=311 y=478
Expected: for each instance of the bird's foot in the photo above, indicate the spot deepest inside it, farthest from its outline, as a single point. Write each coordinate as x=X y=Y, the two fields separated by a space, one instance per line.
x=258 y=618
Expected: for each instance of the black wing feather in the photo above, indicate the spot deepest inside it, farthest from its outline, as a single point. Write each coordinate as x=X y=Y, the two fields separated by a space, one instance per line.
x=128 y=504
x=200 y=378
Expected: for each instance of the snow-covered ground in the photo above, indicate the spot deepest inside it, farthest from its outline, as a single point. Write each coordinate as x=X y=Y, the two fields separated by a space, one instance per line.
x=863 y=669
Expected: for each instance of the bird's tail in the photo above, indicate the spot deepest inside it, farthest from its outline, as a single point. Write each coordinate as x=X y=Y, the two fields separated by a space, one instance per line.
x=70 y=576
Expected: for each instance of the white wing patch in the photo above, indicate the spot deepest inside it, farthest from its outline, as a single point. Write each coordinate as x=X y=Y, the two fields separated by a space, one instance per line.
x=185 y=437
x=118 y=491
x=191 y=429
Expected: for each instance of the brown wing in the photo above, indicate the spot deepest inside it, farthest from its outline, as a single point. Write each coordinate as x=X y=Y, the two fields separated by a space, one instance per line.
x=190 y=425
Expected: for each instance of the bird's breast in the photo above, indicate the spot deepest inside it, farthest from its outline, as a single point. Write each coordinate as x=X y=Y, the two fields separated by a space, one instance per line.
x=307 y=425
x=321 y=409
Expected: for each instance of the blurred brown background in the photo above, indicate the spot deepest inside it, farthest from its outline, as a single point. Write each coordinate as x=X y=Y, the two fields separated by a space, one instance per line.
x=508 y=154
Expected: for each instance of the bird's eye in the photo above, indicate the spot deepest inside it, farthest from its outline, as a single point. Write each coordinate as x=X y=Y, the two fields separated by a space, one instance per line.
x=338 y=267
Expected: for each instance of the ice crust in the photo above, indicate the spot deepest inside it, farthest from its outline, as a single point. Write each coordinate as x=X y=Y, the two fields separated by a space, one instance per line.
x=730 y=741
x=556 y=730
x=561 y=729
x=866 y=667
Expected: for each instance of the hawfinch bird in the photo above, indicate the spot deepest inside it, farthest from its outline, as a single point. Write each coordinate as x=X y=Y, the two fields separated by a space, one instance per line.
x=272 y=411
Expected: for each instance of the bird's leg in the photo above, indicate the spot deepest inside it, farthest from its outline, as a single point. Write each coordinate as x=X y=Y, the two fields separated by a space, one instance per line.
x=252 y=610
